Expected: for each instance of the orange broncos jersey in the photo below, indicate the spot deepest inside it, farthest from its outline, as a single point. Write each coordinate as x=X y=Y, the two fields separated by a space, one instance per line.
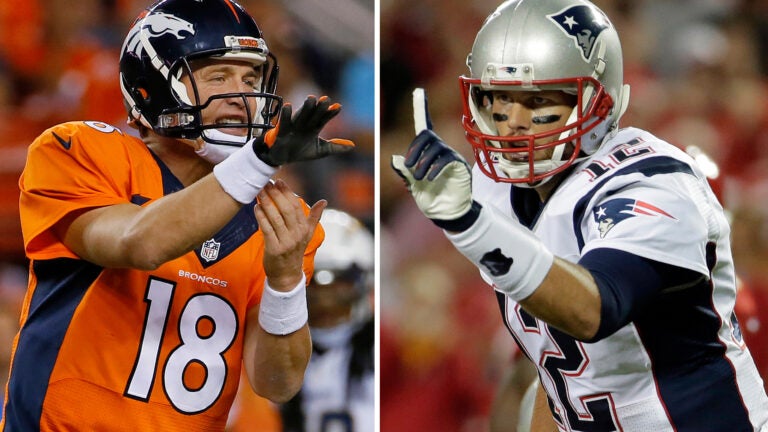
x=124 y=349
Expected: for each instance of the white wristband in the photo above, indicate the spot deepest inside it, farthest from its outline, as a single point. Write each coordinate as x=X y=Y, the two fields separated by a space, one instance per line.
x=507 y=252
x=242 y=175
x=282 y=313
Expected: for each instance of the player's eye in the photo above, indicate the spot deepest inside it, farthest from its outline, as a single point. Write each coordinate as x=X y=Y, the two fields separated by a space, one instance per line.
x=503 y=98
x=251 y=82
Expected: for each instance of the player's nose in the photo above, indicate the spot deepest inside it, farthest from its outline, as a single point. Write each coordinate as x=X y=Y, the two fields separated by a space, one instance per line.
x=517 y=117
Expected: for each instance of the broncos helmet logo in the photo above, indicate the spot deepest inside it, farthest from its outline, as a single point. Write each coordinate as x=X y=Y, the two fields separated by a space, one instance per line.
x=583 y=24
x=156 y=25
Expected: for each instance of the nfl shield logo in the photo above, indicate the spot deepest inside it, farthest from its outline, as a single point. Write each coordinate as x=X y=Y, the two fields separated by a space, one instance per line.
x=210 y=250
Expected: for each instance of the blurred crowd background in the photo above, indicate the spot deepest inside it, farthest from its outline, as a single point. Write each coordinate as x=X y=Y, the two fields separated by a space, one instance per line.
x=698 y=72
x=59 y=62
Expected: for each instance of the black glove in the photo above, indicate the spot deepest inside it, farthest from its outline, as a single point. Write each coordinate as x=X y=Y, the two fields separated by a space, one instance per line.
x=296 y=138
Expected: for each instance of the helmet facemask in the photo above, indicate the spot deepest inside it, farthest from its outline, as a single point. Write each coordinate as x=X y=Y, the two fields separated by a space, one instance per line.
x=490 y=148
x=186 y=121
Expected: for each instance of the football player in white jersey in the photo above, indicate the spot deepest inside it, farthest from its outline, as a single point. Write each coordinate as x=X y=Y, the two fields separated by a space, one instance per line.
x=338 y=394
x=606 y=247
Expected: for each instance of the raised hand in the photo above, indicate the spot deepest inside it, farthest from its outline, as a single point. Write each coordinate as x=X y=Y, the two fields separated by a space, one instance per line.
x=296 y=136
x=437 y=176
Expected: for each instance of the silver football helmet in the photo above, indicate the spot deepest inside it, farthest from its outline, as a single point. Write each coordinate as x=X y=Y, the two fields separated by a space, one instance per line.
x=530 y=45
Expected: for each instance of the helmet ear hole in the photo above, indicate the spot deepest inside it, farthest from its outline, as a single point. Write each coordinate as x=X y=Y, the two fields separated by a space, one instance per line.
x=139 y=92
x=142 y=94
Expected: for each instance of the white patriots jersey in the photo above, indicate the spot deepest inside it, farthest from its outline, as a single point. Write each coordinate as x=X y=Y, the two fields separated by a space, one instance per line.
x=331 y=400
x=682 y=364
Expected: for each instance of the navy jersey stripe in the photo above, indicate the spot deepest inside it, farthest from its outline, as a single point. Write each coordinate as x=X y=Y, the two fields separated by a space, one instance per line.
x=692 y=372
x=526 y=204
x=647 y=167
x=171 y=184
x=236 y=232
x=680 y=332
x=704 y=399
x=501 y=299
x=57 y=295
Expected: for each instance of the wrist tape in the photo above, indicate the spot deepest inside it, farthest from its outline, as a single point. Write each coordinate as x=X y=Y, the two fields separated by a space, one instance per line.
x=507 y=252
x=242 y=175
x=282 y=313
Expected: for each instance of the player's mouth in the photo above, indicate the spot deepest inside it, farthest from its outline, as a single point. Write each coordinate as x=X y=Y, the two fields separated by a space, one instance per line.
x=228 y=123
x=521 y=156
x=516 y=157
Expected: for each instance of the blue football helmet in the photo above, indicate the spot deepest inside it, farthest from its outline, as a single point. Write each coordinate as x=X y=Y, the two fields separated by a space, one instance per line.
x=158 y=50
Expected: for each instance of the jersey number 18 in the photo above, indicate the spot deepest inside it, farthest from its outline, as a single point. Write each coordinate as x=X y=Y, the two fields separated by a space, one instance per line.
x=206 y=350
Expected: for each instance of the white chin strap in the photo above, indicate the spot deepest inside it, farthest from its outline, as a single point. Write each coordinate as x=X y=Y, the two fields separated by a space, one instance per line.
x=520 y=169
x=215 y=153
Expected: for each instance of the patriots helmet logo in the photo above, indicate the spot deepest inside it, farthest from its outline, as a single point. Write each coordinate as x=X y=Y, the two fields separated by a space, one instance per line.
x=610 y=213
x=583 y=24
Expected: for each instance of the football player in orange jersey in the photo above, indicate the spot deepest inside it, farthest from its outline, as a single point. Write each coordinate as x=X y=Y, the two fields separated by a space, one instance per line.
x=160 y=266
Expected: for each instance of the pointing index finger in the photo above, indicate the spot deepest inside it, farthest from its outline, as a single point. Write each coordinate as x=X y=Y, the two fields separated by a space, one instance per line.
x=421 y=118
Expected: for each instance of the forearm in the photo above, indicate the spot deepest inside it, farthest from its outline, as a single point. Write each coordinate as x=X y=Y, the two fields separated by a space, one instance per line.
x=521 y=266
x=183 y=220
x=275 y=364
x=146 y=237
x=567 y=299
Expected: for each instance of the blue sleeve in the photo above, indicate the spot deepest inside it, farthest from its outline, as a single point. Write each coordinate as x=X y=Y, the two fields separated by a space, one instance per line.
x=628 y=283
